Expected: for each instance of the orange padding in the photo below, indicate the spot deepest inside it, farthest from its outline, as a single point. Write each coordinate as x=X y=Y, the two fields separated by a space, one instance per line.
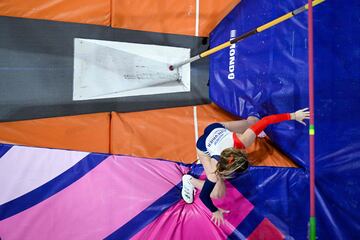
x=79 y=11
x=170 y=16
x=169 y=134
x=88 y=132
x=165 y=134
x=212 y=12
x=163 y=16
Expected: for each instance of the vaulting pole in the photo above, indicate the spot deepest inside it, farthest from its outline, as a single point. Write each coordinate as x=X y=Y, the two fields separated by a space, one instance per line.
x=247 y=34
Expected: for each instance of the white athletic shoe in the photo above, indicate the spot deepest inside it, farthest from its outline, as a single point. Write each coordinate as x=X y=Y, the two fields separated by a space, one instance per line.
x=187 y=191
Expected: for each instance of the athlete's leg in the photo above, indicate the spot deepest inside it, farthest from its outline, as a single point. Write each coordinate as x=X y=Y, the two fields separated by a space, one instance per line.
x=241 y=125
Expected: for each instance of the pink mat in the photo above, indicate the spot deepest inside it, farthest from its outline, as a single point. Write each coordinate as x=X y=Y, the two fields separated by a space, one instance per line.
x=193 y=221
x=23 y=169
x=97 y=204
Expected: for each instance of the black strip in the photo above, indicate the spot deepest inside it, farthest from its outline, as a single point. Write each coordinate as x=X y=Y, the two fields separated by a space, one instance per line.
x=36 y=69
x=245 y=35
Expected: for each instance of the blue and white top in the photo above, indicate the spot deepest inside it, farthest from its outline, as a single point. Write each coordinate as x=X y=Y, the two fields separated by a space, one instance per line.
x=215 y=139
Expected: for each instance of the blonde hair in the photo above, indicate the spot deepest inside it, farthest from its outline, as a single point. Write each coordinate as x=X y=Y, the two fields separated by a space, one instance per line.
x=231 y=160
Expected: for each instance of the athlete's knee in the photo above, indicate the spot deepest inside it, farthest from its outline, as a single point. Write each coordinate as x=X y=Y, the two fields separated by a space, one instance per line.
x=252 y=120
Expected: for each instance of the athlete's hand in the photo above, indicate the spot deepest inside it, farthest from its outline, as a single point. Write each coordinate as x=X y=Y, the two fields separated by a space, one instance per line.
x=218 y=216
x=300 y=115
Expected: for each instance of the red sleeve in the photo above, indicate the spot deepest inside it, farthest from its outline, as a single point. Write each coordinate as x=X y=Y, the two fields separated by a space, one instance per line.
x=266 y=121
x=237 y=142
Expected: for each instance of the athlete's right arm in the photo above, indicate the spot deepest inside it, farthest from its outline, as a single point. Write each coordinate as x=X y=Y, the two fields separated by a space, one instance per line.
x=209 y=165
x=205 y=193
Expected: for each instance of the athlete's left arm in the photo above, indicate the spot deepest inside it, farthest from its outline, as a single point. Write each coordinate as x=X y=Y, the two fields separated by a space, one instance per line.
x=249 y=136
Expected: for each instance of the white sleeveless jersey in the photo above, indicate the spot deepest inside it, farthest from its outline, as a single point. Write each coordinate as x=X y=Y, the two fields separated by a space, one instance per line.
x=218 y=140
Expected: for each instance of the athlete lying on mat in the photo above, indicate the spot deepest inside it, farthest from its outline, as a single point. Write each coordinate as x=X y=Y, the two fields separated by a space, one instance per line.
x=220 y=152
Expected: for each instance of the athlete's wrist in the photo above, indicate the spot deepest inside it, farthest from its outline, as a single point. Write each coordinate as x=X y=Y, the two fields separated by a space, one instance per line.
x=293 y=116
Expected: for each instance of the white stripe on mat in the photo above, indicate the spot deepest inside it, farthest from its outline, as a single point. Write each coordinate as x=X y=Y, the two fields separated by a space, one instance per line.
x=23 y=169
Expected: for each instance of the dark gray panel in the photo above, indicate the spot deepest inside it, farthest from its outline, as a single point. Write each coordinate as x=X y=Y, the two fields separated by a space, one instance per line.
x=36 y=69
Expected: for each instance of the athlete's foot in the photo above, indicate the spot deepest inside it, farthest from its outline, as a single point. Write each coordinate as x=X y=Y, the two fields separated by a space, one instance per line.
x=187 y=191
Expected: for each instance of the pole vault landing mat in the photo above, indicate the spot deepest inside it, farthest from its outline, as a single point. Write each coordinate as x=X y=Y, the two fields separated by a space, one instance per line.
x=61 y=194
x=54 y=69
x=271 y=76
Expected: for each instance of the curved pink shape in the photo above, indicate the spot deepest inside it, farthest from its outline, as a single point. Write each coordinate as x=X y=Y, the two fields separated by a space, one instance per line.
x=193 y=221
x=97 y=204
